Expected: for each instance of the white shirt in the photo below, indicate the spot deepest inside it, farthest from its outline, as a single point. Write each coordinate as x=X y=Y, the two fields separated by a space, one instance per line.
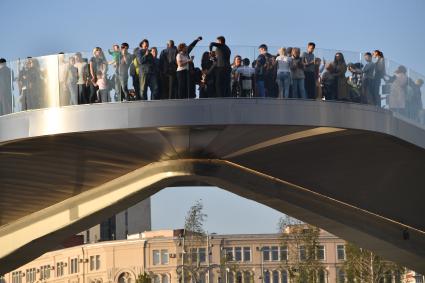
x=182 y=58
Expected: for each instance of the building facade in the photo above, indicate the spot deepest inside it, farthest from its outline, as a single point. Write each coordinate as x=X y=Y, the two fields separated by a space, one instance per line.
x=249 y=259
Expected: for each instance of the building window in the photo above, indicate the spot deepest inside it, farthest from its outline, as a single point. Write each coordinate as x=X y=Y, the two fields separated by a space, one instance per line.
x=284 y=277
x=247 y=277
x=59 y=268
x=94 y=262
x=194 y=254
x=202 y=255
x=30 y=275
x=340 y=276
x=275 y=276
x=164 y=278
x=155 y=255
x=246 y=254
x=228 y=253
x=320 y=252
x=87 y=236
x=266 y=253
x=74 y=266
x=238 y=254
x=302 y=253
x=239 y=277
x=164 y=256
x=44 y=272
x=266 y=277
x=17 y=277
x=284 y=253
x=321 y=276
x=156 y=279
x=275 y=253
x=340 y=249
x=202 y=278
x=230 y=277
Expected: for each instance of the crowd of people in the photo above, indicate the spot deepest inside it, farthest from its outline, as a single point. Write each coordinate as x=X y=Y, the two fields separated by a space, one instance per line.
x=172 y=75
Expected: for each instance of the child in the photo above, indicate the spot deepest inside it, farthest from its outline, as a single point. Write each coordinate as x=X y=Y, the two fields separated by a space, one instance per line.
x=115 y=53
x=102 y=84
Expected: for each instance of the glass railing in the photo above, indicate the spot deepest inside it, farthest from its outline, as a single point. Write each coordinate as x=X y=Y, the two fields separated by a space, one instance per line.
x=67 y=79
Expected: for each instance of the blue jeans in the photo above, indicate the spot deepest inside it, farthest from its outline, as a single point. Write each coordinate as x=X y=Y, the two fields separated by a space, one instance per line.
x=261 y=89
x=298 y=88
x=283 y=81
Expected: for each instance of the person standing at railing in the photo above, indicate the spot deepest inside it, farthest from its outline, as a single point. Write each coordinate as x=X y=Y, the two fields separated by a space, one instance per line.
x=340 y=68
x=379 y=75
x=6 y=77
x=397 y=97
x=297 y=74
x=222 y=69
x=146 y=64
x=237 y=62
x=245 y=76
x=207 y=85
x=30 y=84
x=121 y=73
x=283 y=73
x=97 y=63
x=368 y=80
x=64 y=95
x=168 y=69
x=156 y=72
x=83 y=78
x=71 y=81
x=309 y=71
x=182 y=60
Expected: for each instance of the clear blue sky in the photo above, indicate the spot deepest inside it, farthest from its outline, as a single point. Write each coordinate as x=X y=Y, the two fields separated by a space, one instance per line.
x=34 y=28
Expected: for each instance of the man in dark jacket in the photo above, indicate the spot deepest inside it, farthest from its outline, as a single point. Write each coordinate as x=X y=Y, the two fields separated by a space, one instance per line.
x=168 y=68
x=146 y=71
x=222 y=67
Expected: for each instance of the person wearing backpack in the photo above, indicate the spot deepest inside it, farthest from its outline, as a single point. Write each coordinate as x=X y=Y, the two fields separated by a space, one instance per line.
x=168 y=69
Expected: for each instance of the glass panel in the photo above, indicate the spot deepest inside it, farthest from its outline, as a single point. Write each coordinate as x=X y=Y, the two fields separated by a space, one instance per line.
x=156 y=258
x=275 y=253
x=275 y=276
x=202 y=255
x=247 y=254
x=266 y=253
x=238 y=253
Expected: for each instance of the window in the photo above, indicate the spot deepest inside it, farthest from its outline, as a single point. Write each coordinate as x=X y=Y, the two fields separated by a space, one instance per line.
x=340 y=276
x=283 y=253
x=30 y=275
x=164 y=256
x=156 y=279
x=74 y=265
x=59 y=269
x=320 y=252
x=202 y=278
x=238 y=254
x=340 y=250
x=155 y=254
x=230 y=277
x=321 y=276
x=266 y=277
x=266 y=253
x=17 y=277
x=95 y=262
x=275 y=253
x=202 y=254
x=246 y=254
x=284 y=277
x=275 y=276
x=44 y=272
x=164 y=278
x=228 y=253
x=302 y=253
x=194 y=254
x=87 y=236
x=247 y=278
x=239 y=277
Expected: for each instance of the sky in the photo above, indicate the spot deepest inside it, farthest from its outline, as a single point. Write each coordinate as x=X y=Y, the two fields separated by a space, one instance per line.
x=42 y=27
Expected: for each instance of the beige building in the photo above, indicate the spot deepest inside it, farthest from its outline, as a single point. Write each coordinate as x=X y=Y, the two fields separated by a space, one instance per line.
x=159 y=253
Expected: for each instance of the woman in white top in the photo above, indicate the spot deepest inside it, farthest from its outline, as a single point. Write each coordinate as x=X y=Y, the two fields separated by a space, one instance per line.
x=283 y=77
x=183 y=61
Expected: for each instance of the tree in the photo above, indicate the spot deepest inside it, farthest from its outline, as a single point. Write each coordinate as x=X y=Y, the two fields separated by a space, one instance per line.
x=301 y=242
x=143 y=278
x=364 y=266
x=193 y=238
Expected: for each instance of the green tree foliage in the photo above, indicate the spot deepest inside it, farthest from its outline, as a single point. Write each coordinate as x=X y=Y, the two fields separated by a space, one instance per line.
x=364 y=266
x=143 y=278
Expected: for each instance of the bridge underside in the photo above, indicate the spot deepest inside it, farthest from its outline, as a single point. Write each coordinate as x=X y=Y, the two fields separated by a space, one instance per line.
x=363 y=186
